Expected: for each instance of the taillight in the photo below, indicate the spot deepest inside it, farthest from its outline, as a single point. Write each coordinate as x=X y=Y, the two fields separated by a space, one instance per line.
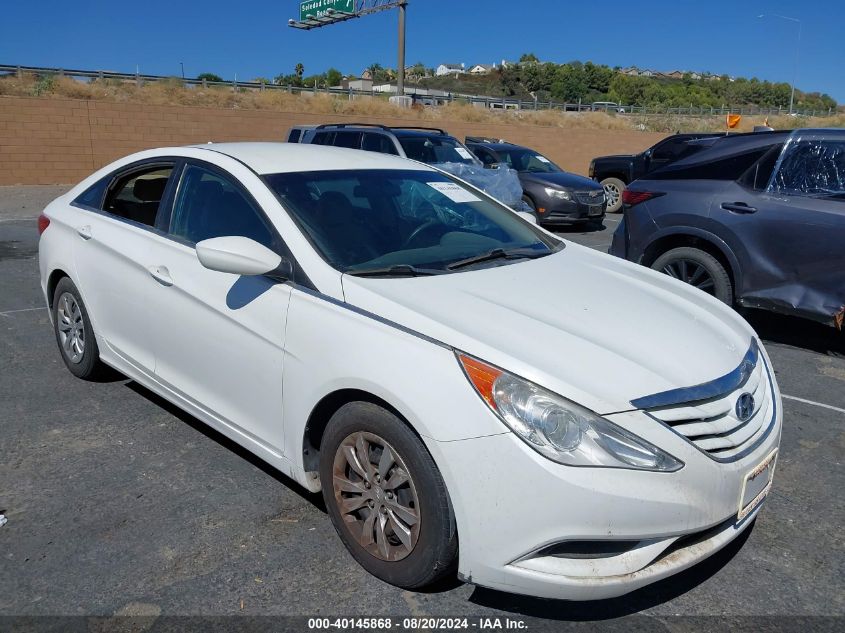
x=632 y=198
x=43 y=223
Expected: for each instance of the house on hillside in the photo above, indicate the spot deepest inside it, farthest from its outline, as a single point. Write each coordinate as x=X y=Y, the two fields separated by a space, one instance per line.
x=367 y=74
x=632 y=71
x=450 y=69
x=674 y=74
x=482 y=69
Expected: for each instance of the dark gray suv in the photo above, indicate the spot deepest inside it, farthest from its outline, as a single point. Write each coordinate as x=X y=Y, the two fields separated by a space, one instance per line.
x=753 y=219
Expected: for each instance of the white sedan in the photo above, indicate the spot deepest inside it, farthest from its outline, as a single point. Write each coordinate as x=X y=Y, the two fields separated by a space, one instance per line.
x=443 y=369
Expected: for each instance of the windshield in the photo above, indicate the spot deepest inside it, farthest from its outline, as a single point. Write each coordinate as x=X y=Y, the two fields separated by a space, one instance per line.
x=527 y=161
x=436 y=149
x=404 y=222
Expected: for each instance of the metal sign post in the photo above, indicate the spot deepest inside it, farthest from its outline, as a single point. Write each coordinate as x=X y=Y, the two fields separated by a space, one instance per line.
x=314 y=14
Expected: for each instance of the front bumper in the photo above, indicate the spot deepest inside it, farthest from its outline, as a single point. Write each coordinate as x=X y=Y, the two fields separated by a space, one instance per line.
x=569 y=212
x=520 y=504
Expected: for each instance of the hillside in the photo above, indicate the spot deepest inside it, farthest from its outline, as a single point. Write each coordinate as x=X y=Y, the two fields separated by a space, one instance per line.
x=588 y=82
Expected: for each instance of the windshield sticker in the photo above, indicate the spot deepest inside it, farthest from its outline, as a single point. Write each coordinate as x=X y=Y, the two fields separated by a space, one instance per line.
x=454 y=192
x=463 y=153
x=542 y=159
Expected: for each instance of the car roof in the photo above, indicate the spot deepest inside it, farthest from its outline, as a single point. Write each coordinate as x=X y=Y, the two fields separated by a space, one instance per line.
x=271 y=158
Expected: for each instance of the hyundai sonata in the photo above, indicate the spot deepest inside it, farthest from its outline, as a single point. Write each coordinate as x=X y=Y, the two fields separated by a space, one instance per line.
x=384 y=332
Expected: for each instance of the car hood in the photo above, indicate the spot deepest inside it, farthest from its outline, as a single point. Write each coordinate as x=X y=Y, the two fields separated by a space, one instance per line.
x=593 y=328
x=561 y=179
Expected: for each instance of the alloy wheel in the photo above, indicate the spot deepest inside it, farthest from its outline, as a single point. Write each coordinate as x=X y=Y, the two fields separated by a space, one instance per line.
x=376 y=496
x=692 y=273
x=612 y=194
x=71 y=328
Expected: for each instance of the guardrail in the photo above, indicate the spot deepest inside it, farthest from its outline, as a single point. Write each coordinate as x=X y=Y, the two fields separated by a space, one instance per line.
x=420 y=95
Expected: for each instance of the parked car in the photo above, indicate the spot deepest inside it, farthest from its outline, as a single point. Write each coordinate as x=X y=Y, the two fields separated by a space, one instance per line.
x=616 y=172
x=431 y=146
x=425 y=144
x=556 y=196
x=756 y=220
x=607 y=106
x=375 y=329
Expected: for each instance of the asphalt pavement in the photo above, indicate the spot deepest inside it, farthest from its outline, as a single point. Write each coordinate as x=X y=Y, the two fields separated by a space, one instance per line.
x=118 y=503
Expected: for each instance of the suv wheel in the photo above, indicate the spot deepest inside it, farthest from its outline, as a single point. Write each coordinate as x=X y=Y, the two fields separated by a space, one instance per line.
x=697 y=268
x=613 y=188
x=386 y=497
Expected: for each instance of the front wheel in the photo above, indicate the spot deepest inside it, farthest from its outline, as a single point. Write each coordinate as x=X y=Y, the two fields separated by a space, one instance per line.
x=386 y=497
x=613 y=188
x=697 y=268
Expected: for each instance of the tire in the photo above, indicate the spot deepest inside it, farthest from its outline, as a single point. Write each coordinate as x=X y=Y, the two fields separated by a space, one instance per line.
x=613 y=188
x=527 y=200
x=429 y=551
x=74 y=334
x=697 y=268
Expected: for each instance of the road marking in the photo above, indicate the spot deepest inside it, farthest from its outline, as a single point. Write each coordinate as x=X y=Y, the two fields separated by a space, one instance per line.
x=8 y=312
x=813 y=402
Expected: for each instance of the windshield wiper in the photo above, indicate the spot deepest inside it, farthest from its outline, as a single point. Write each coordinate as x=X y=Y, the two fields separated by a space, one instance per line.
x=398 y=270
x=499 y=253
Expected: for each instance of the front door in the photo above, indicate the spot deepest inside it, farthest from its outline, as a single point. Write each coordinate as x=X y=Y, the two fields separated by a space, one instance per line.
x=220 y=337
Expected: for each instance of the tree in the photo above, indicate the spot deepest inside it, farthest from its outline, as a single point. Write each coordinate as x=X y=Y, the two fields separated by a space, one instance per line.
x=528 y=57
x=333 y=77
x=209 y=77
x=299 y=70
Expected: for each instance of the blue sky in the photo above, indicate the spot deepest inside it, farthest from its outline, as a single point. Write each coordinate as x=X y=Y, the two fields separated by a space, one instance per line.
x=252 y=39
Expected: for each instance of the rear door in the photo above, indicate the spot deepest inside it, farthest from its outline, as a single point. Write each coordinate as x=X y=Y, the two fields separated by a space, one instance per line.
x=111 y=254
x=220 y=337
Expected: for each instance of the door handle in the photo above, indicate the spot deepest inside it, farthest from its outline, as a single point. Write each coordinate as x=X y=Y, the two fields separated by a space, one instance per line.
x=738 y=207
x=84 y=232
x=161 y=275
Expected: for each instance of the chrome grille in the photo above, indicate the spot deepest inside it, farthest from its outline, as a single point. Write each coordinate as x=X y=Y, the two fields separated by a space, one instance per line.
x=591 y=197
x=711 y=422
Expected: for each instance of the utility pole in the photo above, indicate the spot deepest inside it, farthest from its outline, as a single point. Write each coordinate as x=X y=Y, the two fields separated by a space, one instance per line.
x=400 y=71
x=797 y=53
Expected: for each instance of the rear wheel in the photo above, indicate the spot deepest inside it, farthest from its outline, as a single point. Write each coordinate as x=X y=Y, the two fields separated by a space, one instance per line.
x=386 y=497
x=74 y=333
x=697 y=268
x=613 y=188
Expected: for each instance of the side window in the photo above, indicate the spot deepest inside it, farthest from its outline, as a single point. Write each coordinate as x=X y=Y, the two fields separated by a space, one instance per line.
x=294 y=135
x=669 y=150
x=760 y=173
x=374 y=142
x=93 y=196
x=210 y=205
x=136 y=196
x=812 y=167
x=351 y=140
x=323 y=138
x=485 y=156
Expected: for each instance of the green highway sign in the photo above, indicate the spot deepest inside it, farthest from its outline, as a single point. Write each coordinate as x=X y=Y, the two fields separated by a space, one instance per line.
x=320 y=8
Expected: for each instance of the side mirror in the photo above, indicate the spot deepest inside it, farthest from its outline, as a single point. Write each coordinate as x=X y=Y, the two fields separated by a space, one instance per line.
x=242 y=256
x=525 y=215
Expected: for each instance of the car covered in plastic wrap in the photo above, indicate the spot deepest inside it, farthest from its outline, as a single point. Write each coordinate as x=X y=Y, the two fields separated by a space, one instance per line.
x=758 y=220
x=432 y=146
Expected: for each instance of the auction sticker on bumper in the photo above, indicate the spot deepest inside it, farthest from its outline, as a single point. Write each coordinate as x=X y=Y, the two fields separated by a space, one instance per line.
x=756 y=486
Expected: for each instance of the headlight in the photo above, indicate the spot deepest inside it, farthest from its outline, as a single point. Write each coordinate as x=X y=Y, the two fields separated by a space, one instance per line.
x=557 y=193
x=561 y=430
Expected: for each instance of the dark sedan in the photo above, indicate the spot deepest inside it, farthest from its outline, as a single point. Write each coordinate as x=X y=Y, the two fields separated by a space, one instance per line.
x=757 y=220
x=556 y=196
